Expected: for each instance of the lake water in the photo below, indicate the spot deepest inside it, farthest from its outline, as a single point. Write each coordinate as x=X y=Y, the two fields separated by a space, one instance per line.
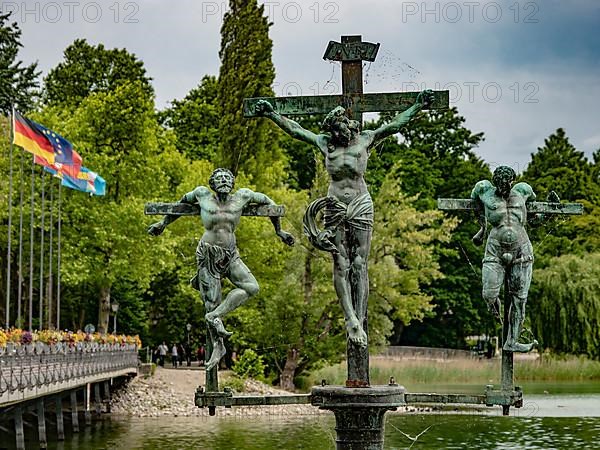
x=558 y=419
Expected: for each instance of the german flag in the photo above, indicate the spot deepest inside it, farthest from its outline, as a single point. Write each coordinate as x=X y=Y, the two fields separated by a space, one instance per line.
x=31 y=138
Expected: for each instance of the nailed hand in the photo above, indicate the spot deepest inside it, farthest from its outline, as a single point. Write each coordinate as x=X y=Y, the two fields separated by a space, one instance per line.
x=426 y=98
x=263 y=107
x=286 y=238
x=156 y=229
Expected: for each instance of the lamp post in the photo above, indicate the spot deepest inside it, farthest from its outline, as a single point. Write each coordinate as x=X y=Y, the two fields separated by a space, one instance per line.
x=188 y=350
x=115 y=308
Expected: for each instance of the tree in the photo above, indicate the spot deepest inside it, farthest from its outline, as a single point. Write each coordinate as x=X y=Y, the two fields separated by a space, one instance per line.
x=564 y=311
x=195 y=120
x=437 y=160
x=117 y=133
x=247 y=71
x=560 y=167
x=118 y=136
x=102 y=100
x=18 y=83
x=566 y=314
x=302 y=158
x=296 y=322
x=88 y=69
x=404 y=260
x=437 y=155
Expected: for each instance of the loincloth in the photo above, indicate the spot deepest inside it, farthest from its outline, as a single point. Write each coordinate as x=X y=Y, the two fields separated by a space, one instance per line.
x=357 y=215
x=508 y=255
x=216 y=260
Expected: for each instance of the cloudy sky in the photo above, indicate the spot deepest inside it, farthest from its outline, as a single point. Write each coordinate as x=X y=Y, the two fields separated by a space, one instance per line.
x=516 y=70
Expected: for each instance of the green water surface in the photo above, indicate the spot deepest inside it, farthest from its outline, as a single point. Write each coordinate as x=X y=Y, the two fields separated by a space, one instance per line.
x=554 y=416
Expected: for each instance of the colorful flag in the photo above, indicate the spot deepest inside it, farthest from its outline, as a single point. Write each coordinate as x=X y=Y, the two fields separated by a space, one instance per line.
x=28 y=136
x=47 y=145
x=86 y=181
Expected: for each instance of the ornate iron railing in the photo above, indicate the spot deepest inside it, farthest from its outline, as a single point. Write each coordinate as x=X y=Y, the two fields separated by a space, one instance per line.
x=35 y=366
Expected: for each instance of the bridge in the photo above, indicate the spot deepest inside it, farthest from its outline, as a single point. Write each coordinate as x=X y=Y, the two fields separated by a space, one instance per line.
x=36 y=376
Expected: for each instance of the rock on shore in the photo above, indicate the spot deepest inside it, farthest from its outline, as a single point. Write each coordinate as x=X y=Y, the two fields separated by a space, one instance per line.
x=170 y=392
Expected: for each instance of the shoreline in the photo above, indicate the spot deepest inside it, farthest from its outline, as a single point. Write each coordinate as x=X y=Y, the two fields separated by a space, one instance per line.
x=170 y=393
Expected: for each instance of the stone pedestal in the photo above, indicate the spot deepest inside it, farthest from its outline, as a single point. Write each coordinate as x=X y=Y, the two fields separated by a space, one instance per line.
x=359 y=413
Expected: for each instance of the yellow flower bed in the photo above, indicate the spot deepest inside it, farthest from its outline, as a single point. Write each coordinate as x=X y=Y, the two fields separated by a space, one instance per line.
x=18 y=336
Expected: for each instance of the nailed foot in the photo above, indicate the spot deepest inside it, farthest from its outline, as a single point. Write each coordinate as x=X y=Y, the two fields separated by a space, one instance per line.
x=518 y=347
x=217 y=324
x=356 y=333
x=217 y=353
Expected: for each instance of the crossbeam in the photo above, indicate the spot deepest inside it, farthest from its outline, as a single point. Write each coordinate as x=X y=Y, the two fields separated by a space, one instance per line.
x=186 y=209
x=464 y=204
x=491 y=397
x=358 y=103
x=227 y=399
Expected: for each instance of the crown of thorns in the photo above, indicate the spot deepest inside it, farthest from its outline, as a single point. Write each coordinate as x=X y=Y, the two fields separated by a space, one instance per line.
x=332 y=117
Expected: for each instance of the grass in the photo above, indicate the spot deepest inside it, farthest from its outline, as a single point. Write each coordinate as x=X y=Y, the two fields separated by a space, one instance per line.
x=465 y=371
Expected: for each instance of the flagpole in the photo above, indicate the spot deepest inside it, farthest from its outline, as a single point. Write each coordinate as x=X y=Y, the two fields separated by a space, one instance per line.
x=58 y=259
x=20 y=265
x=31 y=241
x=43 y=206
x=10 y=185
x=50 y=245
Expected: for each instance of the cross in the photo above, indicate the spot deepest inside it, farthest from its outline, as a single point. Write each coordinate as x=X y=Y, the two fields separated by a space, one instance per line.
x=352 y=51
x=186 y=209
x=533 y=208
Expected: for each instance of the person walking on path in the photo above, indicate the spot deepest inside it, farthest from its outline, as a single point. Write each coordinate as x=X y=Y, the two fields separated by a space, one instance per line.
x=174 y=355
x=180 y=353
x=162 y=353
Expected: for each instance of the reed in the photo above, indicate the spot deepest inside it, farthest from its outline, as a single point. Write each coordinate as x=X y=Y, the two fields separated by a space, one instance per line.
x=421 y=371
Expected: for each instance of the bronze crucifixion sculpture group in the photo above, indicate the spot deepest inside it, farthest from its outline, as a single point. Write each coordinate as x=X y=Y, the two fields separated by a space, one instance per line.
x=347 y=213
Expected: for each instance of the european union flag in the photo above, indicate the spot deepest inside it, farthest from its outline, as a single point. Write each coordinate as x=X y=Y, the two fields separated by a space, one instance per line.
x=66 y=160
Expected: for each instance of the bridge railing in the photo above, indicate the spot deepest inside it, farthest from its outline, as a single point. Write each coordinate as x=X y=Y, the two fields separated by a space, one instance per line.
x=31 y=368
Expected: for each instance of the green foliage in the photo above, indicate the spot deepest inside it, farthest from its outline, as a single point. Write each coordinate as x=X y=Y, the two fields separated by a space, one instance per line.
x=559 y=166
x=18 y=83
x=566 y=312
x=302 y=158
x=234 y=383
x=296 y=322
x=563 y=306
x=248 y=145
x=437 y=155
x=403 y=259
x=424 y=270
x=249 y=365
x=103 y=103
x=296 y=307
x=436 y=159
x=195 y=120
x=89 y=69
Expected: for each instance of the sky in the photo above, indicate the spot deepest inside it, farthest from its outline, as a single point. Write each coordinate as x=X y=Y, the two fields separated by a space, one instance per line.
x=516 y=70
